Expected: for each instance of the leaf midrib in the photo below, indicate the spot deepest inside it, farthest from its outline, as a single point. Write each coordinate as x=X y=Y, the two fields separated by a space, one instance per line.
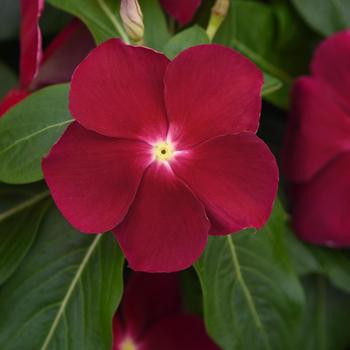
x=70 y=290
x=25 y=204
x=248 y=297
x=38 y=132
x=262 y=62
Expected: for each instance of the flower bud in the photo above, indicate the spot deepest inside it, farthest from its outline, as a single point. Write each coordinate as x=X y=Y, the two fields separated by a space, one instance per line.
x=132 y=18
x=218 y=14
x=220 y=8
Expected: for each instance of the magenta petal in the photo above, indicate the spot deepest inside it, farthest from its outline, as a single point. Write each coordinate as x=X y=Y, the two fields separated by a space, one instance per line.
x=64 y=53
x=118 y=91
x=185 y=332
x=31 y=46
x=166 y=227
x=321 y=206
x=93 y=179
x=318 y=130
x=211 y=90
x=148 y=298
x=331 y=64
x=236 y=178
x=182 y=10
x=10 y=99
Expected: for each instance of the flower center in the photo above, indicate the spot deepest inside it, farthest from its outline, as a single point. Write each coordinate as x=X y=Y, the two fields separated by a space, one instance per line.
x=128 y=344
x=163 y=151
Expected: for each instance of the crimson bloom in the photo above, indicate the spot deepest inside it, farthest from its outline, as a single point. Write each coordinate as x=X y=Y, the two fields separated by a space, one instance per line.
x=182 y=10
x=150 y=317
x=162 y=152
x=56 y=64
x=317 y=152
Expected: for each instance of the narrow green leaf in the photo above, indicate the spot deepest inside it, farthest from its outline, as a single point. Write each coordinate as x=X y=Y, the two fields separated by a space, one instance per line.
x=189 y=37
x=282 y=37
x=271 y=84
x=156 y=31
x=100 y=16
x=21 y=211
x=252 y=298
x=325 y=16
x=28 y=131
x=64 y=294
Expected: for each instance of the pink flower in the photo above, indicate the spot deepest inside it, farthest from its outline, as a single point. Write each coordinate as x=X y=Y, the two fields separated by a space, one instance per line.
x=317 y=151
x=150 y=317
x=163 y=153
x=182 y=10
x=58 y=61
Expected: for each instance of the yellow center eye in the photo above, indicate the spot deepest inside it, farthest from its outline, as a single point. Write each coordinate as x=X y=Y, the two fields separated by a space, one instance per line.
x=128 y=344
x=163 y=151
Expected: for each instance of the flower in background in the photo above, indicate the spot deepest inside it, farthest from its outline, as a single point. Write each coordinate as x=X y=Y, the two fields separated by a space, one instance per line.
x=150 y=317
x=56 y=64
x=182 y=10
x=317 y=152
x=163 y=153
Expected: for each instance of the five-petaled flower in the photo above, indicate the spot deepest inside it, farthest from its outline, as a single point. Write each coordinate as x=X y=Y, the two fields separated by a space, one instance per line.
x=150 y=317
x=317 y=152
x=162 y=152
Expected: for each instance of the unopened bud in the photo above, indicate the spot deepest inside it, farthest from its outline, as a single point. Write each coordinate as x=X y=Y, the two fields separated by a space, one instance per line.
x=218 y=14
x=132 y=18
x=220 y=8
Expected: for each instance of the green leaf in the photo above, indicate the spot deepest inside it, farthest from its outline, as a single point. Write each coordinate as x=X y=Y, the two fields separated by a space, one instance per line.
x=335 y=264
x=100 y=16
x=189 y=37
x=8 y=79
x=64 y=294
x=325 y=16
x=156 y=31
x=332 y=263
x=271 y=84
x=53 y=20
x=301 y=256
x=273 y=37
x=21 y=211
x=28 y=131
x=325 y=321
x=252 y=298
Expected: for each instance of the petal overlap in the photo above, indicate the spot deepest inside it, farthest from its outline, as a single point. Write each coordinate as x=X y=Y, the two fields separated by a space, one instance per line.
x=160 y=298
x=211 y=90
x=173 y=334
x=166 y=227
x=63 y=54
x=93 y=178
x=318 y=130
x=235 y=177
x=118 y=91
x=320 y=207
